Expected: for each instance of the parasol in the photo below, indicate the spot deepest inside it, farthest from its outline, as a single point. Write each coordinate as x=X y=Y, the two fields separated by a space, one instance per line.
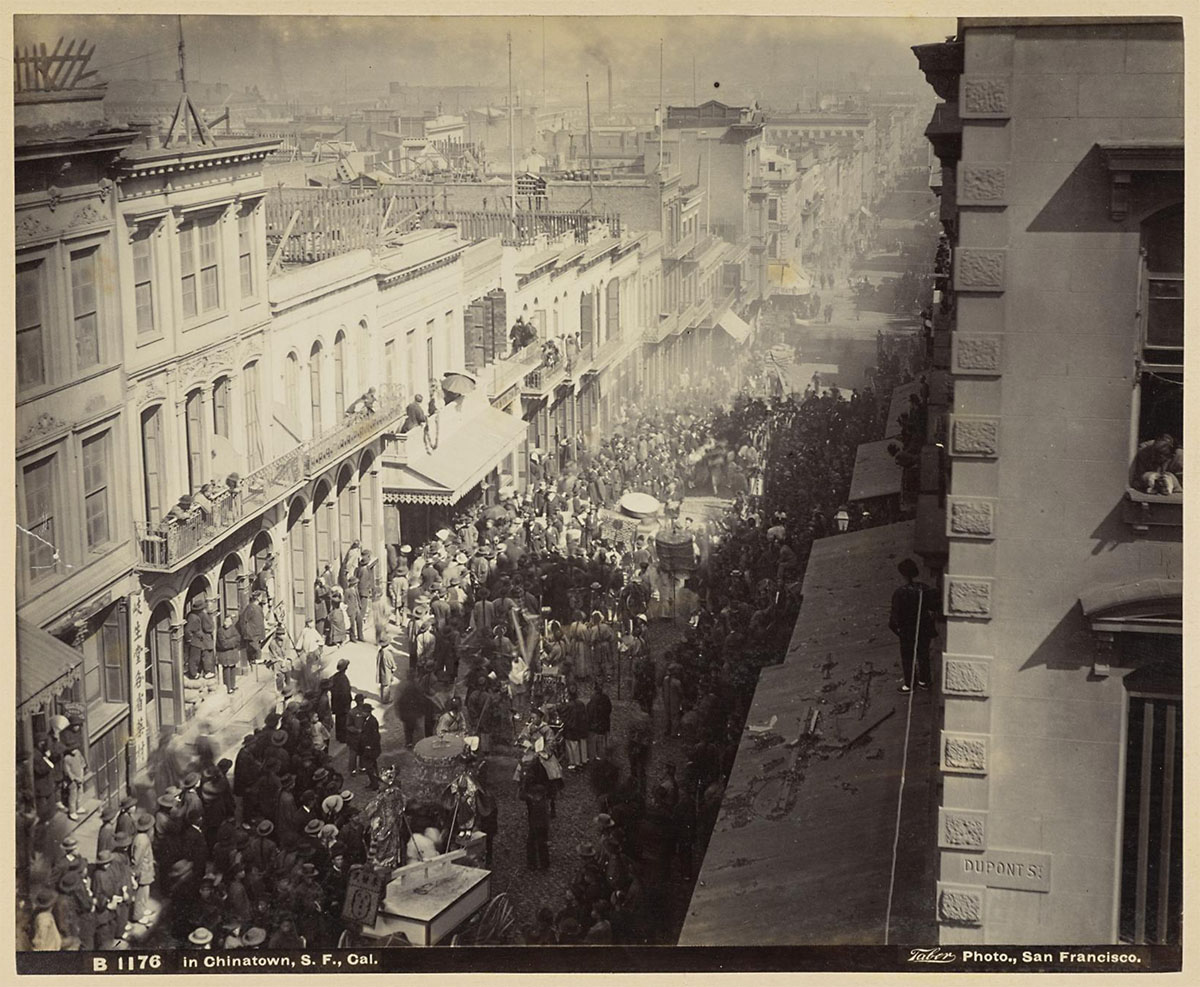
x=458 y=383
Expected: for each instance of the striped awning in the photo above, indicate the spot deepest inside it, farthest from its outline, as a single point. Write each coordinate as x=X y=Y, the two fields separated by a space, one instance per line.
x=45 y=666
x=443 y=475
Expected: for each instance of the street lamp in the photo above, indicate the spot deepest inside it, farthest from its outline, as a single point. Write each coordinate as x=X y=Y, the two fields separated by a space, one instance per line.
x=842 y=517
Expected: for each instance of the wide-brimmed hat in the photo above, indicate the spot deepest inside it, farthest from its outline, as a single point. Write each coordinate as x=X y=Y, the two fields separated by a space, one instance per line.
x=44 y=898
x=145 y=823
x=312 y=827
x=69 y=881
x=127 y=803
x=320 y=774
x=104 y=857
x=166 y=802
x=279 y=738
x=332 y=804
x=287 y=780
x=108 y=813
x=254 y=937
x=200 y=937
x=328 y=832
x=586 y=850
x=308 y=870
x=181 y=868
x=603 y=821
x=122 y=841
x=70 y=843
x=265 y=828
x=346 y=796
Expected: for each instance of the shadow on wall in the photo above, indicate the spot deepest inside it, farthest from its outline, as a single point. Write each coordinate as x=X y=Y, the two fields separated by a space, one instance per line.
x=1069 y=645
x=1082 y=202
x=1114 y=530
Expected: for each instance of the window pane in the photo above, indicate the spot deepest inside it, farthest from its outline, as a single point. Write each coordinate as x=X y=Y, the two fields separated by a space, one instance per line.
x=143 y=275
x=95 y=489
x=208 y=241
x=112 y=656
x=39 y=518
x=212 y=298
x=31 y=366
x=83 y=302
x=187 y=257
x=92 y=685
x=247 y=273
x=1164 y=316
x=189 y=295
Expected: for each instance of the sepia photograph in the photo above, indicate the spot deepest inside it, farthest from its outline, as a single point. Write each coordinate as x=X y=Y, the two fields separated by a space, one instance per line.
x=704 y=487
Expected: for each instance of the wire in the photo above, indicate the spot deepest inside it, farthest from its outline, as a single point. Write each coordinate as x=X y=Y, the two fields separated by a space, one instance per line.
x=887 y=928
x=135 y=58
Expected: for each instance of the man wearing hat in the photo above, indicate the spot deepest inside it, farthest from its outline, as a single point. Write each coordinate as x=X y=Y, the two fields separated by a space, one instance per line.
x=106 y=894
x=45 y=936
x=370 y=747
x=142 y=855
x=108 y=829
x=261 y=851
x=65 y=855
x=200 y=637
x=252 y=625
x=913 y=612
x=122 y=877
x=73 y=912
x=339 y=698
x=200 y=938
x=253 y=937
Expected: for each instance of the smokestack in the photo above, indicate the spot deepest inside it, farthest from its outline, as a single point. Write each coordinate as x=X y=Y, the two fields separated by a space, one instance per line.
x=610 y=90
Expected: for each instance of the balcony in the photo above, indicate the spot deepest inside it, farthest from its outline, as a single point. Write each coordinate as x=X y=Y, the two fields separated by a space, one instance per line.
x=1143 y=511
x=499 y=376
x=541 y=381
x=720 y=305
x=681 y=247
x=170 y=544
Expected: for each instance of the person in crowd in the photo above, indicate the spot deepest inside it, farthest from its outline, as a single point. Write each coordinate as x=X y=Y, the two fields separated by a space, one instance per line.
x=914 y=610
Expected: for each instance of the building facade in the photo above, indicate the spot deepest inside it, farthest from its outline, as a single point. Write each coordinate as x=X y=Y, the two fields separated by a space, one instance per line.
x=1060 y=322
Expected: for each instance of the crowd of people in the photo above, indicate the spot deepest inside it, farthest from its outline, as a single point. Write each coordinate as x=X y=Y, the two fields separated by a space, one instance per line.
x=515 y=624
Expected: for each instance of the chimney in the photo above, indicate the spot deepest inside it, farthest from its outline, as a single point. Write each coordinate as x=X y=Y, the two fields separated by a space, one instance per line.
x=610 y=90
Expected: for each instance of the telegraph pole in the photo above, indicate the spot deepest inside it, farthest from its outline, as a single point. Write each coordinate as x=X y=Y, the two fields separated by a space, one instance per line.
x=512 y=144
x=587 y=88
x=662 y=110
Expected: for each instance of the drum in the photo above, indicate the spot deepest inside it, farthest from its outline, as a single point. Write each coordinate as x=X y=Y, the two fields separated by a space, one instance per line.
x=436 y=766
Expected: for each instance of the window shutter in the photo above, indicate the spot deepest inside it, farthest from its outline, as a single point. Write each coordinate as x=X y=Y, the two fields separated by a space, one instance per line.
x=152 y=460
x=473 y=334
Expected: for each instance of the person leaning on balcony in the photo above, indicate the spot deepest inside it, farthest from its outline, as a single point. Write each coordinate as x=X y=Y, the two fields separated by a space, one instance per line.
x=182 y=510
x=415 y=414
x=1158 y=466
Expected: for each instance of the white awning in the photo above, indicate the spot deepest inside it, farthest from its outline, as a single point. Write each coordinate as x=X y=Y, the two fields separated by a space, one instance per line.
x=735 y=326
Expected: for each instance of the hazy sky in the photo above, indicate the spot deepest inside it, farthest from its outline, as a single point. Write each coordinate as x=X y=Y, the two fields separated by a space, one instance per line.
x=327 y=53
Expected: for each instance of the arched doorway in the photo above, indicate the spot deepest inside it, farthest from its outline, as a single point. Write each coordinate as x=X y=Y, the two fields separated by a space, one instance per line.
x=367 y=493
x=347 y=524
x=300 y=571
x=322 y=521
x=261 y=550
x=199 y=588
x=230 y=588
x=161 y=671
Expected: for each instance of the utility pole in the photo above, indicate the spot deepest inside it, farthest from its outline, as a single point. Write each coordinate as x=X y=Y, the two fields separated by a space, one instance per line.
x=512 y=144
x=543 y=64
x=182 y=60
x=662 y=110
x=587 y=88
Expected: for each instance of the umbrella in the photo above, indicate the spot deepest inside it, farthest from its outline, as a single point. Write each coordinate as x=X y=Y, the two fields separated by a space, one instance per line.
x=458 y=383
x=639 y=505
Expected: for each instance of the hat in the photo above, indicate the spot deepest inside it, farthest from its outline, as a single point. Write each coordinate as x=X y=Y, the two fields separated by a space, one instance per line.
x=173 y=790
x=328 y=832
x=320 y=774
x=347 y=795
x=254 y=937
x=69 y=881
x=108 y=813
x=596 y=586
x=128 y=803
x=166 y=802
x=312 y=827
x=70 y=843
x=122 y=841
x=405 y=549
x=223 y=766
x=145 y=822
x=604 y=821
x=265 y=828
x=44 y=898
x=586 y=850
x=279 y=738
x=308 y=870
x=908 y=568
x=332 y=804
x=104 y=857
x=287 y=780
x=460 y=558
x=343 y=664
x=200 y=937
x=181 y=868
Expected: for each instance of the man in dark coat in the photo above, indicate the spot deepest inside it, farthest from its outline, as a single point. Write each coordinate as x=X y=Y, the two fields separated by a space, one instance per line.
x=198 y=636
x=339 y=698
x=246 y=772
x=253 y=626
x=229 y=652
x=369 y=748
x=913 y=611
x=599 y=709
x=354 y=609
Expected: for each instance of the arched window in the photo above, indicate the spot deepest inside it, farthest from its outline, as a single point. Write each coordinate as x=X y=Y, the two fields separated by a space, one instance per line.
x=314 y=387
x=339 y=375
x=291 y=382
x=154 y=464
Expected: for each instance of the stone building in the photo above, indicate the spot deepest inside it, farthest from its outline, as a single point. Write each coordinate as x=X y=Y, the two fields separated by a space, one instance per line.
x=1061 y=323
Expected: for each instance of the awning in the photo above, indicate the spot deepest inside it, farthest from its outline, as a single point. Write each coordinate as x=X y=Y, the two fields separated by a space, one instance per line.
x=876 y=473
x=1152 y=603
x=444 y=475
x=735 y=326
x=45 y=666
x=814 y=821
x=899 y=406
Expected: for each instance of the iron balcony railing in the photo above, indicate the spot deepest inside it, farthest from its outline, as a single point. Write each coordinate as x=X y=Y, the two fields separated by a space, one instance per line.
x=169 y=544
